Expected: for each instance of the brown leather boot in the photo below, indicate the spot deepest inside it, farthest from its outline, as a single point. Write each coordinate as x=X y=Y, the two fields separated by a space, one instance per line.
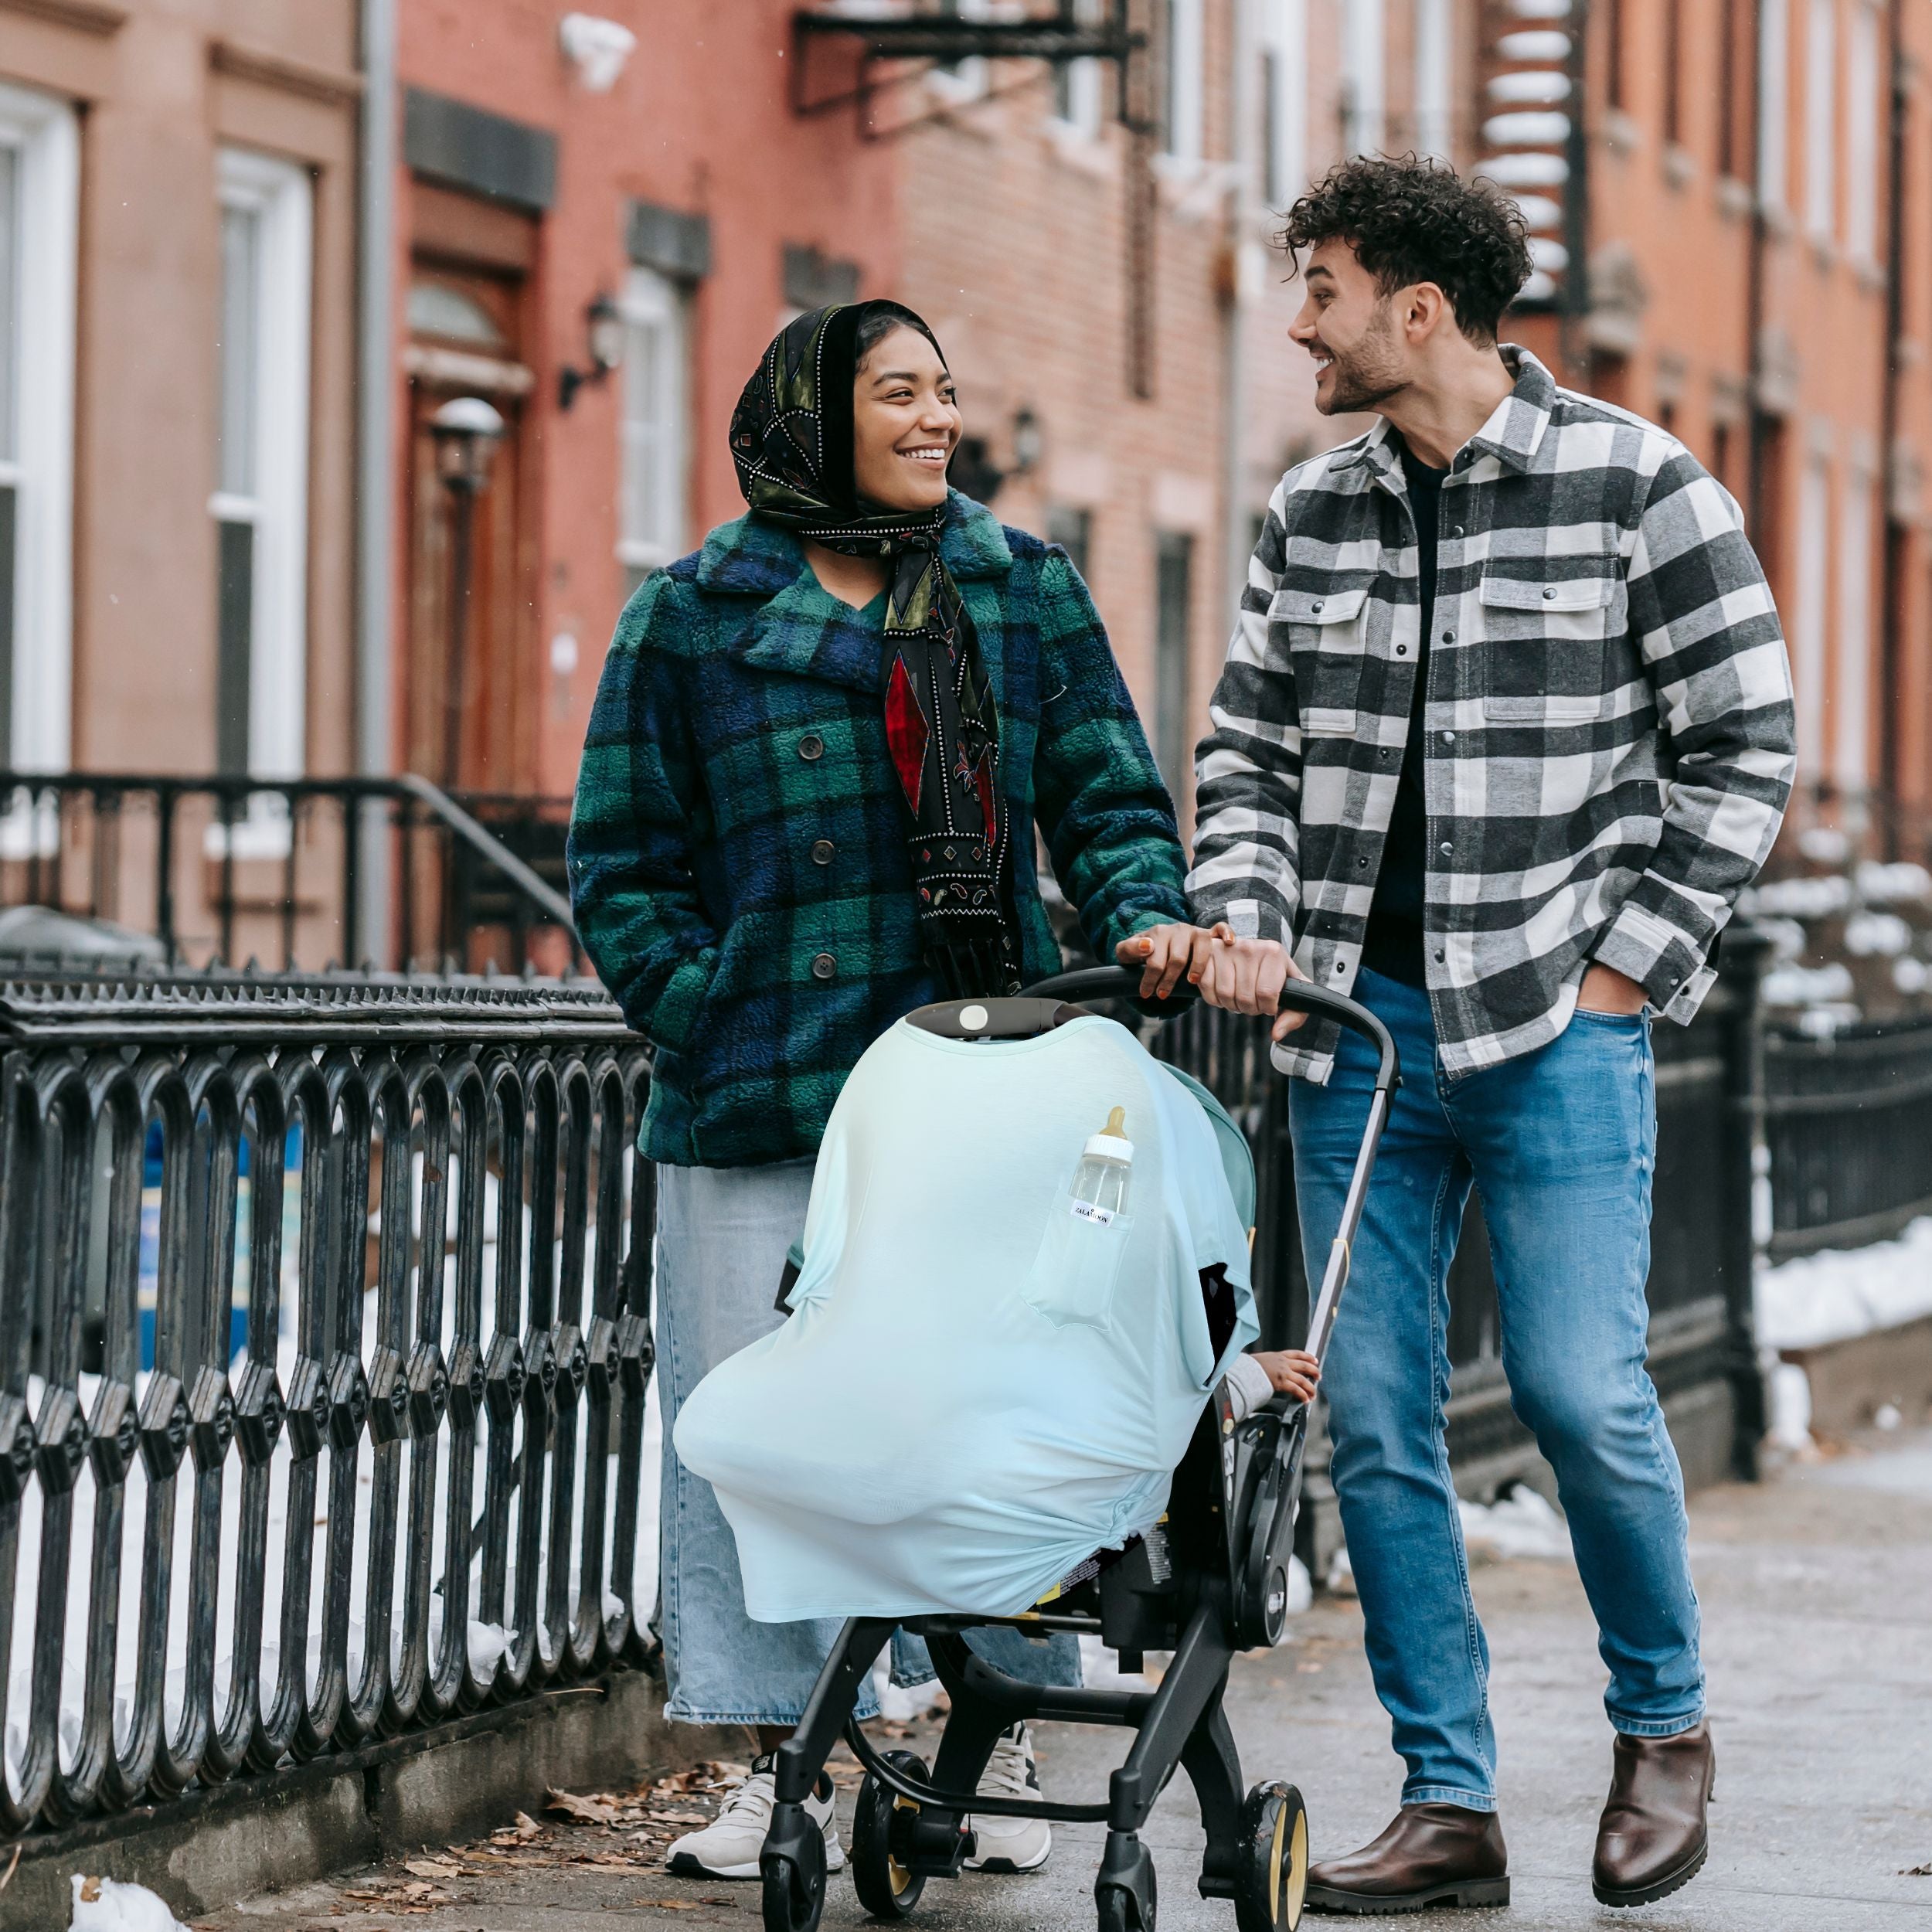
x=1652 y=1836
x=1430 y=1855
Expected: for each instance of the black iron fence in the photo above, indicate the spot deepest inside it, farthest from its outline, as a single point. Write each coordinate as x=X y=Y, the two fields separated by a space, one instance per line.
x=325 y=1339
x=415 y=1486
x=301 y=873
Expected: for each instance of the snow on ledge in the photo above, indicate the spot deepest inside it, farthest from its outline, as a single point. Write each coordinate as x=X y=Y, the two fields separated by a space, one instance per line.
x=1838 y=1293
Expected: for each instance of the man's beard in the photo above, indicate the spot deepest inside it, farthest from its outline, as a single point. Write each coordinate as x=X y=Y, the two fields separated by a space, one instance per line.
x=1365 y=376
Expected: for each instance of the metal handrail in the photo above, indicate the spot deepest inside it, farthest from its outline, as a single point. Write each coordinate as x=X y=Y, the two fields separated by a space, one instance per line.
x=492 y=848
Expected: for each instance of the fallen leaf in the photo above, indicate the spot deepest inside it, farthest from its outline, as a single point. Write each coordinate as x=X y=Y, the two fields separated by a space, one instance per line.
x=585 y=1811
x=1917 y=1872
x=433 y=1868
x=672 y=1905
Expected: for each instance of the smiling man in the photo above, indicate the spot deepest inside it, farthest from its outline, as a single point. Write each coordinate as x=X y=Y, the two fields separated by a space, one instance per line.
x=1506 y=727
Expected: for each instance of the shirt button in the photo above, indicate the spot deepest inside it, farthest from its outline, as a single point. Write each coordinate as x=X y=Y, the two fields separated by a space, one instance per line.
x=821 y=851
x=1549 y=592
x=1456 y=531
x=811 y=747
x=1448 y=737
x=1316 y=605
x=1445 y=848
x=1440 y=957
x=1341 y=966
x=1448 y=636
x=824 y=966
x=1402 y=650
x=1363 y=863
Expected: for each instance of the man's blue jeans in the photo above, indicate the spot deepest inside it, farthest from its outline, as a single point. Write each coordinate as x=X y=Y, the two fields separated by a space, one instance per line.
x=1560 y=1143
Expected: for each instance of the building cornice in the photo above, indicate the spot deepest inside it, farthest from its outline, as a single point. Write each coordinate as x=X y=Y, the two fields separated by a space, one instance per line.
x=332 y=87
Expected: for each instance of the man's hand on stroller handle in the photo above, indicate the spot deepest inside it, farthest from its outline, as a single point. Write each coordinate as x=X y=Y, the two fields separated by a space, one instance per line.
x=1244 y=975
x=1294 y=1371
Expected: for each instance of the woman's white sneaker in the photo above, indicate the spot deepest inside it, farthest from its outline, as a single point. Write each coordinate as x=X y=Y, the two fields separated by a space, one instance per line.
x=1010 y=1844
x=728 y=1847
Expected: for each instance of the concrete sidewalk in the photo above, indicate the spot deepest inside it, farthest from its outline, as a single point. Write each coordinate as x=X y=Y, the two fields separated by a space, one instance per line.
x=1817 y=1589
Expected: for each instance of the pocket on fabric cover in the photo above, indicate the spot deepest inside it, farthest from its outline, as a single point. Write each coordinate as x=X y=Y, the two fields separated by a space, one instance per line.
x=1077 y=1265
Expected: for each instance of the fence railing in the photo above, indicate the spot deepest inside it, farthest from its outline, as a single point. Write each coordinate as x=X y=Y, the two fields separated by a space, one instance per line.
x=325 y=1339
x=301 y=873
x=416 y=1489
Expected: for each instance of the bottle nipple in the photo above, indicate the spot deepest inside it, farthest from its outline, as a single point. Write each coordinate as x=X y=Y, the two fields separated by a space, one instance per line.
x=1116 y=1127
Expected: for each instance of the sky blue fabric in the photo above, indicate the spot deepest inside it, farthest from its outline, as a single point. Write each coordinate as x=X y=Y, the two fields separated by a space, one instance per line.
x=977 y=1389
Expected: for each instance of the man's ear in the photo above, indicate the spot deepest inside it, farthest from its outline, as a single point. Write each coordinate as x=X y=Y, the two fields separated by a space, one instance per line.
x=1426 y=312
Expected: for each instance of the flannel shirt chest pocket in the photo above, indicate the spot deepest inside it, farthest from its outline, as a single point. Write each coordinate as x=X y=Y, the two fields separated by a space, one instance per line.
x=1327 y=633
x=1546 y=641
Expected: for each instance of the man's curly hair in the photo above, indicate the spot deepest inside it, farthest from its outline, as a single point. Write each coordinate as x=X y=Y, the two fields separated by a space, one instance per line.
x=1413 y=221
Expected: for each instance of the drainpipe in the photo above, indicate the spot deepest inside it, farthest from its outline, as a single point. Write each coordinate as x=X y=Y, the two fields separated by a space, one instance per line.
x=1244 y=270
x=369 y=919
x=1891 y=578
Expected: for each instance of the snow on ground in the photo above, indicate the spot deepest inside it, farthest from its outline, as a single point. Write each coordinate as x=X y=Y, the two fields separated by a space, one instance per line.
x=1839 y=1292
x=104 y=1905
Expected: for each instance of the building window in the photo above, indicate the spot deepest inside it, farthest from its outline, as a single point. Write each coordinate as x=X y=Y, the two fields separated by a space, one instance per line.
x=1864 y=115
x=39 y=194
x=1361 y=77
x=1615 y=87
x=1077 y=84
x=1774 y=41
x=1284 y=98
x=965 y=79
x=1821 y=119
x=1853 y=710
x=1809 y=640
x=1434 y=64
x=1073 y=530
x=656 y=422
x=1181 y=129
x=1174 y=594
x=260 y=504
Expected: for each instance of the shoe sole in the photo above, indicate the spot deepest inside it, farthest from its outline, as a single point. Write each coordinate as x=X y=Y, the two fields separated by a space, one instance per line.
x=1006 y=1867
x=683 y=1866
x=1460 y=1891
x=1619 y=1899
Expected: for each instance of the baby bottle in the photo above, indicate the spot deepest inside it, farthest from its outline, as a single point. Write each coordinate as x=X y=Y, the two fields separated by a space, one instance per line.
x=1100 y=1183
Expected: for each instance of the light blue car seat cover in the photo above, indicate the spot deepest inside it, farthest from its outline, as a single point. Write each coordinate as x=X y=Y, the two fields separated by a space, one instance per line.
x=978 y=1389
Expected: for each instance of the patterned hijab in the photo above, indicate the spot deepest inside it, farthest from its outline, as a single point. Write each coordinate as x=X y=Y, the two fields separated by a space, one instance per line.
x=792 y=439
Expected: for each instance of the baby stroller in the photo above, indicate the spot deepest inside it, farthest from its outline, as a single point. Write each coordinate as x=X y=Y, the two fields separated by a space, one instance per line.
x=1216 y=1583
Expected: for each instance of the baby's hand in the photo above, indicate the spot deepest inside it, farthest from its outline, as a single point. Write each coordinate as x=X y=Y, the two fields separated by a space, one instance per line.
x=1294 y=1371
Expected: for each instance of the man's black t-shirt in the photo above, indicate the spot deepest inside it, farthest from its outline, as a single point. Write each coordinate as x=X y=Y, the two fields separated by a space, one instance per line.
x=1394 y=944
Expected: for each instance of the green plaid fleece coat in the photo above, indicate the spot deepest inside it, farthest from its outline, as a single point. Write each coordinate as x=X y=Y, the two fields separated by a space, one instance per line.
x=737 y=856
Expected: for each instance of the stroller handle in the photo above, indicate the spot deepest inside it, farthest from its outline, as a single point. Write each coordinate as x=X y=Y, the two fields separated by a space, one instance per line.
x=1124 y=982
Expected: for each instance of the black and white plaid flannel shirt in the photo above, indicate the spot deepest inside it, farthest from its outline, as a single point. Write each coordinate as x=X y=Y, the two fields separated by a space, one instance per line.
x=1609 y=717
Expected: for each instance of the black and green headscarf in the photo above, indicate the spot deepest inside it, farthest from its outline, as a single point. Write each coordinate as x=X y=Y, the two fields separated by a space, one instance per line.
x=792 y=439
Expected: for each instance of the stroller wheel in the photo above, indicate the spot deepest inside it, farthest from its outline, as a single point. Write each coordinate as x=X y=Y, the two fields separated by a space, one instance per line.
x=1274 y=1860
x=887 y=1886
x=794 y=1893
x=1121 y=1910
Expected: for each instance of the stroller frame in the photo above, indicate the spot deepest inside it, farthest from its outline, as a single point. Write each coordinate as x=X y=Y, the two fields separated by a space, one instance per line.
x=1230 y=1528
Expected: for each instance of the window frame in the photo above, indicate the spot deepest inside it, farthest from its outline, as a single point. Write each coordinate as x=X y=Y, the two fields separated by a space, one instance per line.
x=42 y=131
x=1772 y=134
x=1864 y=115
x=1434 y=78
x=1284 y=115
x=280 y=194
x=1821 y=120
x=650 y=297
x=1365 y=92
x=1184 y=100
x=1079 y=93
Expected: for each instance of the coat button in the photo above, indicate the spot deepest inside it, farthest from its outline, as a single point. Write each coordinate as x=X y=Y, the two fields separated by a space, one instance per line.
x=1402 y=650
x=821 y=851
x=1448 y=636
x=824 y=966
x=811 y=747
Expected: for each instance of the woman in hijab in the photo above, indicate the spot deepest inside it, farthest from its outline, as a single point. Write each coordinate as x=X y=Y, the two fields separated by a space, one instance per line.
x=818 y=753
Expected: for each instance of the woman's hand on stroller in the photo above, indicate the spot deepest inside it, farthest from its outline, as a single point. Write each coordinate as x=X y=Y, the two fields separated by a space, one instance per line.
x=1294 y=1371
x=1165 y=954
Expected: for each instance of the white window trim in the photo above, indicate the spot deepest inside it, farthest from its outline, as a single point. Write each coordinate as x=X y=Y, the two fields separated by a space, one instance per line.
x=1821 y=120
x=1811 y=613
x=1434 y=73
x=1864 y=113
x=973 y=76
x=44 y=134
x=1363 y=54
x=1285 y=34
x=1187 y=133
x=1774 y=61
x=1085 y=84
x=281 y=194
x=650 y=297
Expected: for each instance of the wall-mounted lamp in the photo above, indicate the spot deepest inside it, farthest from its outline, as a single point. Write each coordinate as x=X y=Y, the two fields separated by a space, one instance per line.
x=1029 y=441
x=604 y=350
